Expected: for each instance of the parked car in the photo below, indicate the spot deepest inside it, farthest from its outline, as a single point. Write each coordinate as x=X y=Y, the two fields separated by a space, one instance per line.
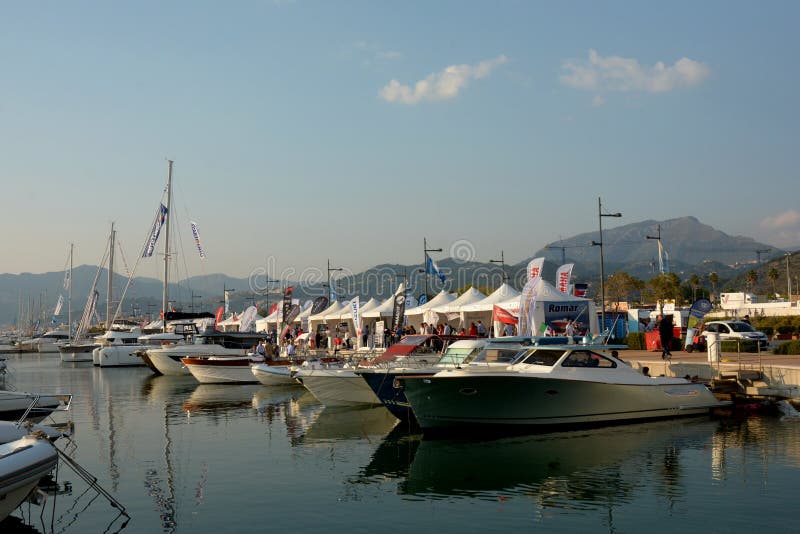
x=736 y=330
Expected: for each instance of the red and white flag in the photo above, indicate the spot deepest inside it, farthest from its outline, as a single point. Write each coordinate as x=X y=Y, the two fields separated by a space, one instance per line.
x=535 y=267
x=502 y=315
x=563 y=277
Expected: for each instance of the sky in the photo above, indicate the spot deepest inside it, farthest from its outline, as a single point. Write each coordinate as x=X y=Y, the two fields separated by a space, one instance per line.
x=306 y=131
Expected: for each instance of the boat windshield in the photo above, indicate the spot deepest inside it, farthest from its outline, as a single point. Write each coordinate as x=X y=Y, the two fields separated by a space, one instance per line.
x=494 y=355
x=458 y=355
x=586 y=358
x=546 y=357
x=412 y=340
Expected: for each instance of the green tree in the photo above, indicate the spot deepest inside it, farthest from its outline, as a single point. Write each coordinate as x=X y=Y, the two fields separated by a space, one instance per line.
x=666 y=286
x=773 y=276
x=622 y=286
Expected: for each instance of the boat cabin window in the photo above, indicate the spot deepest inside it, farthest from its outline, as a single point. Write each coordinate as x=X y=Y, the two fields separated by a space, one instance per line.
x=543 y=356
x=494 y=355
x=585 y=358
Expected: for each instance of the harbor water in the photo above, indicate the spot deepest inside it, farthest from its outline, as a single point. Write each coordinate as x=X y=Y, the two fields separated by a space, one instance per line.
x=186 y=457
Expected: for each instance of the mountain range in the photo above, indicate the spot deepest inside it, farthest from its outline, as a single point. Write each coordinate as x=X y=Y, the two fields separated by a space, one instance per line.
x=692 y=248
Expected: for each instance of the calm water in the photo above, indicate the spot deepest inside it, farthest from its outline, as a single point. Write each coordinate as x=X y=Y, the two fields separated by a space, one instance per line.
x=185 y=457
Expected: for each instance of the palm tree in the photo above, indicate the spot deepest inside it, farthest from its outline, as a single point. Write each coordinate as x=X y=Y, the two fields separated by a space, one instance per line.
x=713 y=277
x=773 y=275
x=694 y=281
x=752 y=279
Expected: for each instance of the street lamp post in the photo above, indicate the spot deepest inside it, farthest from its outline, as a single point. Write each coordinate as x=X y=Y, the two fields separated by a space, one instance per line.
x=600 y=216
x=502 y=262
x=788 y=278
x=330 y=270
x=425 y=262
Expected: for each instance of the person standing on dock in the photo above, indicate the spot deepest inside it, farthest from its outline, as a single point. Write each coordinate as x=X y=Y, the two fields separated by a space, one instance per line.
x=665 y=333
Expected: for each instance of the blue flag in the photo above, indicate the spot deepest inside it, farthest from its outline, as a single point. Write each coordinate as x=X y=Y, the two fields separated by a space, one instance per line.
x=432 y=268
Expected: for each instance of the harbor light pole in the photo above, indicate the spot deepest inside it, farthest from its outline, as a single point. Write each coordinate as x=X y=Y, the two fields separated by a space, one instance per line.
x=331 y=270
x=788 y=278
x=502 y=262
x=193 y=298
x=600 y=216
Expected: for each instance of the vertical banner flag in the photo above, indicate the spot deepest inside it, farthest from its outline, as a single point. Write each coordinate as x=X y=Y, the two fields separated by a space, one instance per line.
x=227 y=300
x=294 y=311
x=355 y=306
x=696 y=313
x=161 y=217
x=220 y=312
x=320 y=303
x=432 y=268
x=563 y=276
x=248 y=320
x=59 y=304
x=287 y=302
x=399 y=309
x=196 y=235
x=67 y=280
x=525 y=299
x=535 y=268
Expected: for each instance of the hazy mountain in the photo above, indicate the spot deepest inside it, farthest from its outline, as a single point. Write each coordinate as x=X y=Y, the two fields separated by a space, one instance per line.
x=693 y=248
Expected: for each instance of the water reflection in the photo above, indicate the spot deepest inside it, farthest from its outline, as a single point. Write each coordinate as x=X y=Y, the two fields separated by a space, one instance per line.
x=565 y=469
x=347 y=423
x=220 y=400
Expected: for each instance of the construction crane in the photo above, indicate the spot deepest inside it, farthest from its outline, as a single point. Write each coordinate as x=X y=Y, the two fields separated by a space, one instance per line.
x=759 y=253
x=563 y=249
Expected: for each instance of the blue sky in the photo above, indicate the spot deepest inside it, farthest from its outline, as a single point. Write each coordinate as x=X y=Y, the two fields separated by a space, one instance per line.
x=303 y=131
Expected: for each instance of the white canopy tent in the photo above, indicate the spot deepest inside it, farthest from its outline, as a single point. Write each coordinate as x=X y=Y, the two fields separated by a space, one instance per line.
x=482 y=310
x=450 y=313
x=231 y=324
x=415 y=316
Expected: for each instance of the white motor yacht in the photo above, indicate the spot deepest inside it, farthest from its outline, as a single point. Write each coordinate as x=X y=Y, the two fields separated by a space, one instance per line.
x=542 y=382
x=118 y=349
x=222 y=369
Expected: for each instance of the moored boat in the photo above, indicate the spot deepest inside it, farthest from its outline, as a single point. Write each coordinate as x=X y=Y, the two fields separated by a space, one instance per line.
x=546 y=382
x=222 y=370
x=167 y=359
x=335 y=385
x=15 y=404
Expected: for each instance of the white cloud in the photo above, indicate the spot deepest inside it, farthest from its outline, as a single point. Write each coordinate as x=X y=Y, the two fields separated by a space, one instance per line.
x=782 y=221
x=614 y=73
x=782 y=229
x=441 y=85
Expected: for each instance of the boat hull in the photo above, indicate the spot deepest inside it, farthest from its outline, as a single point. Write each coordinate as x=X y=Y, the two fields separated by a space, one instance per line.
x=337 y=387
x=22 y=464
x=13 y=405
x=119 y=356
x=167 y=360
x=77 y=353
x=517 y=401
x=383 y=383
x=273 y=375
x=220 y=371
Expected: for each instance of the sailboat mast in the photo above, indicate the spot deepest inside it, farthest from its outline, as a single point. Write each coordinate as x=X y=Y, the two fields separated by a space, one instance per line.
x=110 y=277
x=165 y=296
x=69 y=296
